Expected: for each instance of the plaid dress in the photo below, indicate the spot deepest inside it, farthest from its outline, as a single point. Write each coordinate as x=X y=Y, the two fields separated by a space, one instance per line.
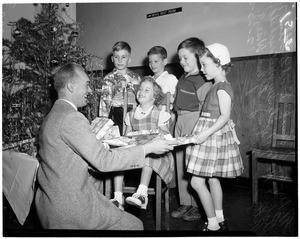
x=162 y=164
x=219 y=155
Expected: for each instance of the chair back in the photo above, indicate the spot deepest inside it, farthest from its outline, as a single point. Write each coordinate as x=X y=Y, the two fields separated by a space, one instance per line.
x=284 y=122
x=168 y=95
x=125 y=97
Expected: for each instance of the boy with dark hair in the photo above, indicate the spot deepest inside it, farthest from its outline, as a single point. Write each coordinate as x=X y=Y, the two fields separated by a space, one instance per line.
x=189 y=97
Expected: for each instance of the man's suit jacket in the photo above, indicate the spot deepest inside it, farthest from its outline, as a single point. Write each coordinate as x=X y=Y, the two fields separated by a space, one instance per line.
x=66 y=197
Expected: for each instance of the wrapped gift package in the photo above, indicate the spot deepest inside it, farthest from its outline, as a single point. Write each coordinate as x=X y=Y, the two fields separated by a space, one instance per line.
x=104 y=128
x=145 y=136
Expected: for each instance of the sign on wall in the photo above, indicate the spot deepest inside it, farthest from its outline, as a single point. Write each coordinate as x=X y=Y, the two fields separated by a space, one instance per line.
x=164 y=12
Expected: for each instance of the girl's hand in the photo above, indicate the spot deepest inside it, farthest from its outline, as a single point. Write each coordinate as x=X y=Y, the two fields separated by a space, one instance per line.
x=201 y=137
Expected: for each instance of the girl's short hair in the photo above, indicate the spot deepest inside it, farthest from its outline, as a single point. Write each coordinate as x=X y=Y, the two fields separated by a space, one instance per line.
x=193 y=44
x=158 y=50
x=157 y=91
x=121 y=45
x=227 y=67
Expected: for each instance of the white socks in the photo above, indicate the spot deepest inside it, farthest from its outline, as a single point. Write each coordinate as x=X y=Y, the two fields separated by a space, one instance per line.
x=142 y=189
x=119 y=197
x=213 y=224
x=219 y=215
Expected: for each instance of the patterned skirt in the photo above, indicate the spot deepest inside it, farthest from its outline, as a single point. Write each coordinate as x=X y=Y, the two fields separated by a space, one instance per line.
x=218 y=156
x=163 y=165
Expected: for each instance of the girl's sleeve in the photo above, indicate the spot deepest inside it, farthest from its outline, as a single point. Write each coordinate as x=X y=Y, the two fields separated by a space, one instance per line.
x=227 y=87
x=164 y=118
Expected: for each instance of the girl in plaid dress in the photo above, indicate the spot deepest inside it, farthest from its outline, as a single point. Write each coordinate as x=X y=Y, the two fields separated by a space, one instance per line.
x=146 y=116
x=216 y=153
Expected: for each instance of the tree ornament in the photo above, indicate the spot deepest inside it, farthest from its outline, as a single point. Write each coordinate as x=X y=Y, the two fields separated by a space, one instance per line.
x=53 y=29
x=54 y=62
x=64 y=58
x=17 y=33
x=67 y=5
x=74 y=33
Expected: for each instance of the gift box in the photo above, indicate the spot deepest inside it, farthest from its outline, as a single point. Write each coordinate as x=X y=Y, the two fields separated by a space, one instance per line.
x=104 y=129
x=145 y=136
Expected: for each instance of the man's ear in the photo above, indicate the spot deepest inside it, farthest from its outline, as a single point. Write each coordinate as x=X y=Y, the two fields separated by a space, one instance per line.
x=70 y=86
x=112 y=58
x=129 y=59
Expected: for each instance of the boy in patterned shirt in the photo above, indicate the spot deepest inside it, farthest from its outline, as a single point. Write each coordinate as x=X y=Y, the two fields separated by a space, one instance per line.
x=116 y=82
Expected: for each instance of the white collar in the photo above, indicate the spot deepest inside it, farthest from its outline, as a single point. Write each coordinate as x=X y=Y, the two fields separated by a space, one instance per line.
x=162 y=74
x=74 y=106
x=139 y=113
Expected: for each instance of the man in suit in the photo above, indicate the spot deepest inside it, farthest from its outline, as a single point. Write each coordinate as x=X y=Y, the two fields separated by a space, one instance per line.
x=66 y=197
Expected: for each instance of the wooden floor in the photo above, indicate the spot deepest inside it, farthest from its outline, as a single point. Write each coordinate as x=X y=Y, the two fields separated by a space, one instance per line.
x=274 y=215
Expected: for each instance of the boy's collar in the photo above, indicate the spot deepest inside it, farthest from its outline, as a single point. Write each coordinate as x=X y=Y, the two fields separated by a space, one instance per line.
x=115 y=70
x=162 y=74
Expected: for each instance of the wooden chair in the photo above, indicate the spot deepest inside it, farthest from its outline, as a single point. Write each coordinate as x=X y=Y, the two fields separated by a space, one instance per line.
x=158 y=191
x=282 y=150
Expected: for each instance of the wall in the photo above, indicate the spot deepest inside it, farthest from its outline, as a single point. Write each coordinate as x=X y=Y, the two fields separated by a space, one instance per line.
x=246 y=28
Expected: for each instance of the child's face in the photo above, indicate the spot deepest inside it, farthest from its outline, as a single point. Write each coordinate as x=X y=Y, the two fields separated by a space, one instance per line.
x=121 y=59
x=145 y=93
x=157 y=63
x=208 y=67
x=188 y=61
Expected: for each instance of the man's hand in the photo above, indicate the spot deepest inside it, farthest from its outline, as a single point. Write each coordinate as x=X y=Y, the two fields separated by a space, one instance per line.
x=159 y=146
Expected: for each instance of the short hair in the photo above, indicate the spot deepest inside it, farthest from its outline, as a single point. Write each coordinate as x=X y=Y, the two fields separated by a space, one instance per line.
x=227 y=67
x=158 y=50
x=64 y=74
x=121 y=45
x=193 y=44
x=157 y=91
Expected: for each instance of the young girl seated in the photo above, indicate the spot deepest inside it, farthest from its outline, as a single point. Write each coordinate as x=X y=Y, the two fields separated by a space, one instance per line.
x=146 y=116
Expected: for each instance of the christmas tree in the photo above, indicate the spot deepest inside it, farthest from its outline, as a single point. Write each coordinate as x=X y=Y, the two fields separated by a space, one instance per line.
x=36 y=49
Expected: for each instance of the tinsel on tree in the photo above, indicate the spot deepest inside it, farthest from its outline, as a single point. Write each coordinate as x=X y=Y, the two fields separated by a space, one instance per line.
x=36 y=49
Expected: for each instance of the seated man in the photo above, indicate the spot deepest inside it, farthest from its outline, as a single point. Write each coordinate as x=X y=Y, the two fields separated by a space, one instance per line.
x=66 y=198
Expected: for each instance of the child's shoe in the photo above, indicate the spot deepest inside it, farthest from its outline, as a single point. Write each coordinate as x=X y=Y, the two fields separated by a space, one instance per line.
x=224 y=226
x=206 y=229
x=117 y=203
x=138 y=200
